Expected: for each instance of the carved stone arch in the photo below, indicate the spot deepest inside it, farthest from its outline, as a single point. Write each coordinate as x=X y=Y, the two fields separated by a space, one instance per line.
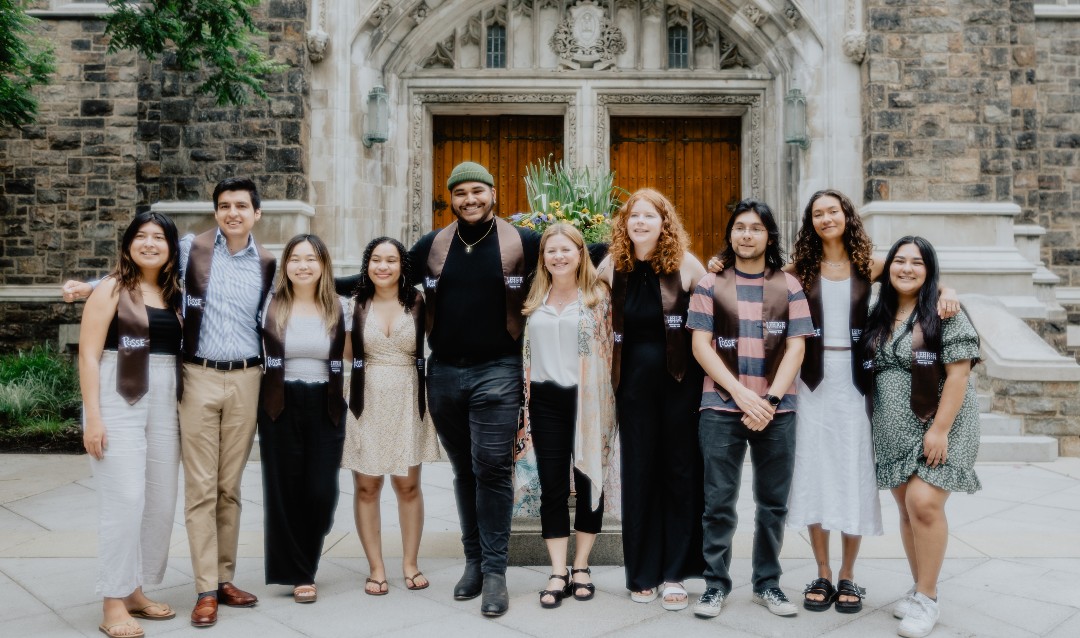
x=398 y=43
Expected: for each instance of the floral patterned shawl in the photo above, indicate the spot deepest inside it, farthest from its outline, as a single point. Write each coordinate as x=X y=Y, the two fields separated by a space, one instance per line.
x=596 y=451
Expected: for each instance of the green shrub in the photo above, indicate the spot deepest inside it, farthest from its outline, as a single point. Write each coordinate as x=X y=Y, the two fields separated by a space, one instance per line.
x=39 y=395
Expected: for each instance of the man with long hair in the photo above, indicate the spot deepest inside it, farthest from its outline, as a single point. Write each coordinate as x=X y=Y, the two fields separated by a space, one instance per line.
x=749 y=324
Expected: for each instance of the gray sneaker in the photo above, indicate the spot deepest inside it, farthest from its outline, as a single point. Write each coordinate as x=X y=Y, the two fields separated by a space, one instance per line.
x=708 y=606
x=921 y=617
x=901 y=608
x=775 y=601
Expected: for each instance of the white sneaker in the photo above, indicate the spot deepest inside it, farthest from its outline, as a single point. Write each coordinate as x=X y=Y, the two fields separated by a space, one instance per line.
x=775 y=601
x=922 y=615
x=708 y=606
x=901 y=608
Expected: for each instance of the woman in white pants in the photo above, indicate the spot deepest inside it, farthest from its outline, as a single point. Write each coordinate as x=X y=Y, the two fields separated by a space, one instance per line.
x=129 y=347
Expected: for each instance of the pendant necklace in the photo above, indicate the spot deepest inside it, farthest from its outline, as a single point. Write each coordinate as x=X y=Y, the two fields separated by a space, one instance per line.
x=468 y=246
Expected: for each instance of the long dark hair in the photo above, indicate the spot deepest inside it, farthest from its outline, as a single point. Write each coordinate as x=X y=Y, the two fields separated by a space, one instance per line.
x=808 y=250
x=365 y=288
x=879 y=325
x=774 y=256
x=128 y=275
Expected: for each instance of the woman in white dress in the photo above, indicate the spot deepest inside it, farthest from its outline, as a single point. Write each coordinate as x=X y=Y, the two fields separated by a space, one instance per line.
x=384 y=433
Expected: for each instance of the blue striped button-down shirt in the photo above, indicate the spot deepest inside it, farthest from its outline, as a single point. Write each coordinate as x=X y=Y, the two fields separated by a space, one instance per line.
x=229 y=330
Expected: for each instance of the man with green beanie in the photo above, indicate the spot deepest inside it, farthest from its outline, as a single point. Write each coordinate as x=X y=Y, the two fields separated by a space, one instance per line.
x=476 y=273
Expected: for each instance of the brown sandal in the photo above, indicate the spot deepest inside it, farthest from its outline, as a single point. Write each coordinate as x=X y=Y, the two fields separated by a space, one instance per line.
x=305 y=594
x=166 y=612
x=110 y=630
x=380 y=584
x=410 y=582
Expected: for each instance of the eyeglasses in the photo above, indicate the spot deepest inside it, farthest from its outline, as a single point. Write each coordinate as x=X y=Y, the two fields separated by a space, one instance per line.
x=756 y=231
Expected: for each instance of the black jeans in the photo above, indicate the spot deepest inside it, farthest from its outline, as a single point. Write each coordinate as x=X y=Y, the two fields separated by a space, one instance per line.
x=475 y=409
x=772 y=453
x=552 y=418
x=301 y=454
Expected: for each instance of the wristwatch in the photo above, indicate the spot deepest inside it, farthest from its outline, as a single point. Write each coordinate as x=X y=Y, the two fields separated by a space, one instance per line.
x=772 y=399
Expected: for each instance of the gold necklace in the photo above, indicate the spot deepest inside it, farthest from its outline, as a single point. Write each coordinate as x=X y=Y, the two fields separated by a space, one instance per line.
x=468 y=246
x=835 y=264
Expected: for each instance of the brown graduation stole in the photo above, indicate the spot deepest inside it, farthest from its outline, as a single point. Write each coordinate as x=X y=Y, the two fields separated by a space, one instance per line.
x=197 y=280
x=512 y=254
x=356 y=385
x=813 y=366
x=774 y=322
x=927 y=372
x=133 y=348
x=272 y=393
x=675 y=302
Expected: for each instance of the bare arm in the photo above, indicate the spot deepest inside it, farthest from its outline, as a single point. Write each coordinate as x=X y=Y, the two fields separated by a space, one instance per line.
x=604 y=270
x=948 y=303
x=936 y=439
x=97 y=315
x=789 y=366
x=691 y=270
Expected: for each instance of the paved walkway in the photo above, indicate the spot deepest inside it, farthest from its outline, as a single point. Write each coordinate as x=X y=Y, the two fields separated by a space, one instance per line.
x=1013 y=569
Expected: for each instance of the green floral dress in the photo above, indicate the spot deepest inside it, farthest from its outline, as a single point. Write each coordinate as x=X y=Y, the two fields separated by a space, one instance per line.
x=898 y=433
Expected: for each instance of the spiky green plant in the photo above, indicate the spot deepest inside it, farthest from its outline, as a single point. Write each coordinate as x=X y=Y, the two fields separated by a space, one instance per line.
x=559 y=193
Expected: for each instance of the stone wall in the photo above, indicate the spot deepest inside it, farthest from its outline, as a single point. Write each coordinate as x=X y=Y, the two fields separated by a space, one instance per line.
x=1056 y=195
x=1049 y=408
x=68 y=182
x=938 y=103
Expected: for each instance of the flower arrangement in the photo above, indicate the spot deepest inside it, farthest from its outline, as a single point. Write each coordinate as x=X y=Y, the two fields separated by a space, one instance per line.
x=558 y=193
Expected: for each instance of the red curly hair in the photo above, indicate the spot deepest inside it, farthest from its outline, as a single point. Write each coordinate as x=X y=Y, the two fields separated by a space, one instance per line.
x=667 y=256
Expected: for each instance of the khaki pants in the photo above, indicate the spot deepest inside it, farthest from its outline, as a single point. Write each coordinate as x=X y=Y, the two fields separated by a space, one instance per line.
x=217 y=427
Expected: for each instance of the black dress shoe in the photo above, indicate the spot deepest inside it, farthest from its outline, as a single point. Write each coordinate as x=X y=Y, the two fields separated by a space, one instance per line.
x=495 y=601
x=470 y=584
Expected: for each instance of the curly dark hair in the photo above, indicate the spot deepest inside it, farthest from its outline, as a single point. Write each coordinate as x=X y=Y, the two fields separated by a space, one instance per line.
x=365 y=288
x=807 y=252
x=127 y=274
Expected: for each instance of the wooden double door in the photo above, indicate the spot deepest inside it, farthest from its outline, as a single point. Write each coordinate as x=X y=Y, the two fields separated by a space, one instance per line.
x=694 y=161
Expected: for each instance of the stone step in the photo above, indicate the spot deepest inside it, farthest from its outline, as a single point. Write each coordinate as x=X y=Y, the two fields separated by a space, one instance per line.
x=995 y=424
x=1019 y=449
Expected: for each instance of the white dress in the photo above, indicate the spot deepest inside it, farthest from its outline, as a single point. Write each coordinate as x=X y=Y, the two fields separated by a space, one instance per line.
x=834 y=482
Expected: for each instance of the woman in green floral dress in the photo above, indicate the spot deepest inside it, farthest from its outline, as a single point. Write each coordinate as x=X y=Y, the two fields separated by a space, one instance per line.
x=925 y=421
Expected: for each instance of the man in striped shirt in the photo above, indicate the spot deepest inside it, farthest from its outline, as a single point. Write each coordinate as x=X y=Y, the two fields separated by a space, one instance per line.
x=749 y=323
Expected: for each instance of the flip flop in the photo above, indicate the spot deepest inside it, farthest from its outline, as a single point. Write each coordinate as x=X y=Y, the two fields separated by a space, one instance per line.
x=410 y=582
x=675 y=589
x=166 y=614
x=110 y=630
x=644 y=596
x=305 y=594
x=380 y=584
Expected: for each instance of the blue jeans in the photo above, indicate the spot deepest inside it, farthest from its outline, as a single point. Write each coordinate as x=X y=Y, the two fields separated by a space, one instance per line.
x=772 y=452
x=475 y=409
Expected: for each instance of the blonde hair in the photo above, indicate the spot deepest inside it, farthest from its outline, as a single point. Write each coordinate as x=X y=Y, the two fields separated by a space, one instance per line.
x=667 y=257
x=325 y=297
x=587 y=281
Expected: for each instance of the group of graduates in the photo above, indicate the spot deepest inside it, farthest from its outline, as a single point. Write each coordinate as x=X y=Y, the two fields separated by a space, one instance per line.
x=637 y=383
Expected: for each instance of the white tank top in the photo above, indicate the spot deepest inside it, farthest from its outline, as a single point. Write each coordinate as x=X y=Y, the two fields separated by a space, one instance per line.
x=836 y=306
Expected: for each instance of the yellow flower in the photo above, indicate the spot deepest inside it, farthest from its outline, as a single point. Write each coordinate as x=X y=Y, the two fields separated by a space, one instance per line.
x=584 y=210
x=556 y=204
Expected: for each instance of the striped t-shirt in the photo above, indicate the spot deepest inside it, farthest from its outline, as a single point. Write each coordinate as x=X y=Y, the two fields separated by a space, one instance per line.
x=750 y=290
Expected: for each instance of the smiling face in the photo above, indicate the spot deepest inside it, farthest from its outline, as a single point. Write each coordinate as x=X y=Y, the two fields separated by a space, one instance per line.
x=643 y=226
x=907 y=271
x=561 y=256
x=384 y=268
x=236 y=216
x=303 y=267
x=828 y=218
x=472 y=202
x=749 y=236
x=149 y=249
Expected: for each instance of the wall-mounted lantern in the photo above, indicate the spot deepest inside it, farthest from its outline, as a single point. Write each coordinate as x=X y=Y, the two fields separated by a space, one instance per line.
x=377 y=130
x=795 y=119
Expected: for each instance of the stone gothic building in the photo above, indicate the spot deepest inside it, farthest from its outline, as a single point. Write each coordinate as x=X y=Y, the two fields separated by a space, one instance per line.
x=955 y=119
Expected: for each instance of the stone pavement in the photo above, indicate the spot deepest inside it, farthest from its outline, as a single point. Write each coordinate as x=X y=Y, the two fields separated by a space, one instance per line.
x=1013 y=569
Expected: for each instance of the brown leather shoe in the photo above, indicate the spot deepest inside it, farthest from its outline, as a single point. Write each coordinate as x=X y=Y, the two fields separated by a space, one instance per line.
x=205 y=612
x=229 y=594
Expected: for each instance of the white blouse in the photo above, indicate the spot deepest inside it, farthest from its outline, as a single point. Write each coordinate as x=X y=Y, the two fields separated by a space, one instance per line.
x=553 y=341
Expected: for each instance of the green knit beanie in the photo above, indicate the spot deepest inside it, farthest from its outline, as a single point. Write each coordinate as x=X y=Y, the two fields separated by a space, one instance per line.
x=469 y=172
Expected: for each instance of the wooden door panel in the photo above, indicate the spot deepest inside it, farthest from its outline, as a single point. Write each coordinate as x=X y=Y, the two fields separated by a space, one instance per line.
x=693 y=161
x=505 y=144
